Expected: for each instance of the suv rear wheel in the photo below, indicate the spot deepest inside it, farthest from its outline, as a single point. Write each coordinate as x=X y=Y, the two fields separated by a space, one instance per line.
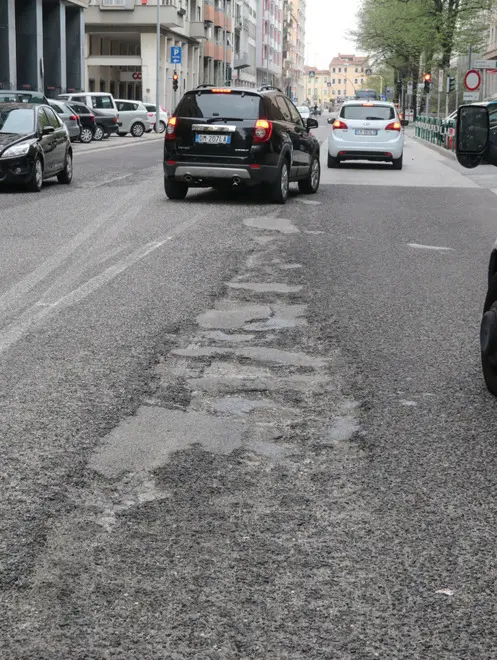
x=310 y=184
x=175 y=189
x=278 y=190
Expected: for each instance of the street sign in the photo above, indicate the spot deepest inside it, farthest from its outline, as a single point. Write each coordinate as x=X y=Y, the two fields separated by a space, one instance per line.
x=471 y=96
x=176 y=54
x=329 y=84
x=472 y=80
x=440 y=79
x=312 y=74
x=485 y=64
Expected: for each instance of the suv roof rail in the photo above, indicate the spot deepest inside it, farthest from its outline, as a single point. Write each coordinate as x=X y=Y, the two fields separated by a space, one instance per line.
x=204 y=86
x=263 y=88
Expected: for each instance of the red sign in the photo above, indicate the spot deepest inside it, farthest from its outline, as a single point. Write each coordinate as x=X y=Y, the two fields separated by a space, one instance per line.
x=137 y=75
x=472 y=80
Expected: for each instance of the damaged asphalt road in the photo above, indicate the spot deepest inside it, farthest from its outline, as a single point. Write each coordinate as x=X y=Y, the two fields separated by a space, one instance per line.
x=238 y=432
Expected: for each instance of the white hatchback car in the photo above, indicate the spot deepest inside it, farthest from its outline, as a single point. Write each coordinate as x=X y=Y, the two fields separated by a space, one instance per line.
x=367 y=130
x=305 y=112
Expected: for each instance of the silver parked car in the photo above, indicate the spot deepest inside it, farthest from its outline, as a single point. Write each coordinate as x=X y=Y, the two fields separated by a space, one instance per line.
x=133 y=118
x=68 y=116
x=163 y=116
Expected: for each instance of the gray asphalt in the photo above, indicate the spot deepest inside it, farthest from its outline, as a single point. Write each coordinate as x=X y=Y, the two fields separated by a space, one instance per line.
x=198 y=466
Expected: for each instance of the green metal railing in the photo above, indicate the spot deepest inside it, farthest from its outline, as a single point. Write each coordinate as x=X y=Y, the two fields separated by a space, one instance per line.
x=436 y=131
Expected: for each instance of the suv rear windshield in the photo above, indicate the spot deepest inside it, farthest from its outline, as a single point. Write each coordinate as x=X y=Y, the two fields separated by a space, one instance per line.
x=368 y=112
x=230 y=105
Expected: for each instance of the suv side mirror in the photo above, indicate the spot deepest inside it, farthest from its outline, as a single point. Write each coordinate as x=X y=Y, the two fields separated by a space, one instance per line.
x=312 y=123
x=472 y=135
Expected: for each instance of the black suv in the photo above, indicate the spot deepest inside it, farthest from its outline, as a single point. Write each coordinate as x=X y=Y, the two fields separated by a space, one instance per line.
x=237 y=136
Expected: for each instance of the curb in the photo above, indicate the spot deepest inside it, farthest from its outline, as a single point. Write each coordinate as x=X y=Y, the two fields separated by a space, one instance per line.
x=434 y=147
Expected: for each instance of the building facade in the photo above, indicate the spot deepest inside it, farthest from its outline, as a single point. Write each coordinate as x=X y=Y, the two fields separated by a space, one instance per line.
x=42 y=45
x=294 y=15
x=269 y=42
x=245 y=44
x=317 y=90
x=347 y=75
x=121 y=46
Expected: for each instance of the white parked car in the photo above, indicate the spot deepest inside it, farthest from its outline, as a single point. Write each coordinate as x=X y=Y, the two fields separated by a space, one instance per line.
x=305 y=112
x=133 y=118
x=163 y=116
x=366 y=130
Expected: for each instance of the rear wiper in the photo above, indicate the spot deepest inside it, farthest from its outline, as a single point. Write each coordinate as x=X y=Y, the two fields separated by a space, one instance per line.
x=375 y=118
x=224 y=119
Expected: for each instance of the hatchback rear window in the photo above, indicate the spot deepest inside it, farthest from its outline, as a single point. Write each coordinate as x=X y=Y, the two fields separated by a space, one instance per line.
x=232 y=105
x=367 y=112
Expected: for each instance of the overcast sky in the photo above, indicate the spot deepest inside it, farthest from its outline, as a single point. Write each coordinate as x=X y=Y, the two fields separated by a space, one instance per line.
x=328 y=22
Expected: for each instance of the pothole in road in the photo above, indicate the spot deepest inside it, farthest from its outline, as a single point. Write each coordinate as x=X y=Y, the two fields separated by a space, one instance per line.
x=265 y=287
x=233 y=318
x=269 y=223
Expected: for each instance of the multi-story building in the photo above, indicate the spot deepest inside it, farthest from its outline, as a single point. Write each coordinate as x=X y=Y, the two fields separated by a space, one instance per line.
x=269 y=41
x=317 y=90
x=490 y=77
x=41 y=45
x=121 y=46
x=347 y=75
x=245 y=45
x=294 y=14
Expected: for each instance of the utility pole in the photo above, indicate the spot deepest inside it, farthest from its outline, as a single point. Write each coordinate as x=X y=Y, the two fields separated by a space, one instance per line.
x=457 y=89
x=447 y=97
x=157 y=77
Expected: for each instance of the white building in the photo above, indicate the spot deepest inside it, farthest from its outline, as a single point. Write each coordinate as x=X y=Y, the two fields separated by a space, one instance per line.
x=245 y=46
x=121 y=46
x=269 y=41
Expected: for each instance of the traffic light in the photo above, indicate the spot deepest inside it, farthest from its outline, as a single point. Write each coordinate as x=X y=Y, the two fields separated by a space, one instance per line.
x=427 y=81
x=451 y=84
x=175 y=81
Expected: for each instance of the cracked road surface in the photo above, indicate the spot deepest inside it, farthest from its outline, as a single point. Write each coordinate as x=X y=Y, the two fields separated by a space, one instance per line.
x=235 y=431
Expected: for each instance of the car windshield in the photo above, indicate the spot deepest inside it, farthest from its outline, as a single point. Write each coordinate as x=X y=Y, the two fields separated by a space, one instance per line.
x=302 y=108
x=231 y=106
x=17 y=120
x=368 y=112
x=21 y=97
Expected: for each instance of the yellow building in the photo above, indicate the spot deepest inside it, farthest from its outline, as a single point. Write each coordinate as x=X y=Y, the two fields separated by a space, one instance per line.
x=347 y=75
x=317 y=91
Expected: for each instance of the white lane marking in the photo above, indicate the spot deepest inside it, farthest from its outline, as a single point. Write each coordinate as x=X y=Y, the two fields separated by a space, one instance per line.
x=25 y=285
x=308 y=202
x=115 y=146
x=419 y=246
x=445 y=592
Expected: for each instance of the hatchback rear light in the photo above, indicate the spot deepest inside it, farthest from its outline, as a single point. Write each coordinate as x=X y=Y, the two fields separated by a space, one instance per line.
x=337 y=124
x=74 y=117
x=115 y=119
x=368 y=105
x=262 y=131
x=162 y=109
x=151 y=114
x=171 y=128
x=394 y=126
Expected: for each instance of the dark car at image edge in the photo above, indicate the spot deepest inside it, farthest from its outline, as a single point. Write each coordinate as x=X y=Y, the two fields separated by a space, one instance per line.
x=34 y=146
x=231 y=137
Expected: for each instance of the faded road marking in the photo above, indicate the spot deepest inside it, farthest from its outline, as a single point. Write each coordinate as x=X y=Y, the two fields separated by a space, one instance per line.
x=419 y=246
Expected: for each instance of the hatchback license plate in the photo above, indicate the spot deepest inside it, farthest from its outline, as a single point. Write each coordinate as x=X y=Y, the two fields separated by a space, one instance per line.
x=366 y=131
x=213 y=139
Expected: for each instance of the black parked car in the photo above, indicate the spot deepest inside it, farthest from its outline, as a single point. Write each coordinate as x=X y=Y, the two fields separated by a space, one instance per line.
x=238 y=136
x=107 y=124
x=34 y=145
x=86 y=119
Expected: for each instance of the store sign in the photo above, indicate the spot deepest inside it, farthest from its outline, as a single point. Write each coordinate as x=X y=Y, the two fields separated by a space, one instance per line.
x=130 y=76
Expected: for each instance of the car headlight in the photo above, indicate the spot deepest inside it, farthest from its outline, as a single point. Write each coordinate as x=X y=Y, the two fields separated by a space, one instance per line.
x=17 y=150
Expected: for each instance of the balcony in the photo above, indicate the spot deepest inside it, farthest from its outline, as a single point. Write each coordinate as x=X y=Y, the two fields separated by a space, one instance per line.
x=197 y=30
x=219 y=53
x=209 y=13
x=219 y=19
x=229 y=55
x=209 y=49
x=228 y=24
x=133 y=16
x=241 y=61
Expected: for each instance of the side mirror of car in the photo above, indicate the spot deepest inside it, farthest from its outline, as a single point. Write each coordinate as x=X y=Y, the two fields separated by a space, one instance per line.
x=472 y=135
x=330 y=120
x=404 y=122
x=47 y=130
x=312 y=123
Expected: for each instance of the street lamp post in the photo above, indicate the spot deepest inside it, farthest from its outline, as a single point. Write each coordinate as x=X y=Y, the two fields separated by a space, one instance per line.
x=157 y=77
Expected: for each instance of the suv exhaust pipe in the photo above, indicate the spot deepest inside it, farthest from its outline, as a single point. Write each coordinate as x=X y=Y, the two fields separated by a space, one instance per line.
x=188 y=178
x=236 y=181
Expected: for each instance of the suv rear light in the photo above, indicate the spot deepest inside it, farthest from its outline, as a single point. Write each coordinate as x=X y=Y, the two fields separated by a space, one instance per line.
x=74 y=117
x=115 y=119
x=394 y=126
x=337 y=124
x=171 y=128
x=262 y=131
x=91 y=117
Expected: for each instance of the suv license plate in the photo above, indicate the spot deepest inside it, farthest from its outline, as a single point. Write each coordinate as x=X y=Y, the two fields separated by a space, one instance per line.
x=366 y=131
x=213 y=139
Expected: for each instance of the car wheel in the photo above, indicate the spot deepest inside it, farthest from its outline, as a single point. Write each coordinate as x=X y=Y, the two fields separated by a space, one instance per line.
x=397 y=163
x=310 y=185
x=66 y=175
x=175 y=189
x=137 y=129
x=99 y=134
x=36 y=182
x=333 y=162
x=278 y=191
x=488 y=338
x=162 y=126
x=85 y=135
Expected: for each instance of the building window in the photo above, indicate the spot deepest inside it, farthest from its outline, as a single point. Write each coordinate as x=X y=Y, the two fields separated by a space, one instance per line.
x=339 y=92
x=357 y=69
x=334 y=70
x=339 y=70
x=339 y=81
x=355 y=81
